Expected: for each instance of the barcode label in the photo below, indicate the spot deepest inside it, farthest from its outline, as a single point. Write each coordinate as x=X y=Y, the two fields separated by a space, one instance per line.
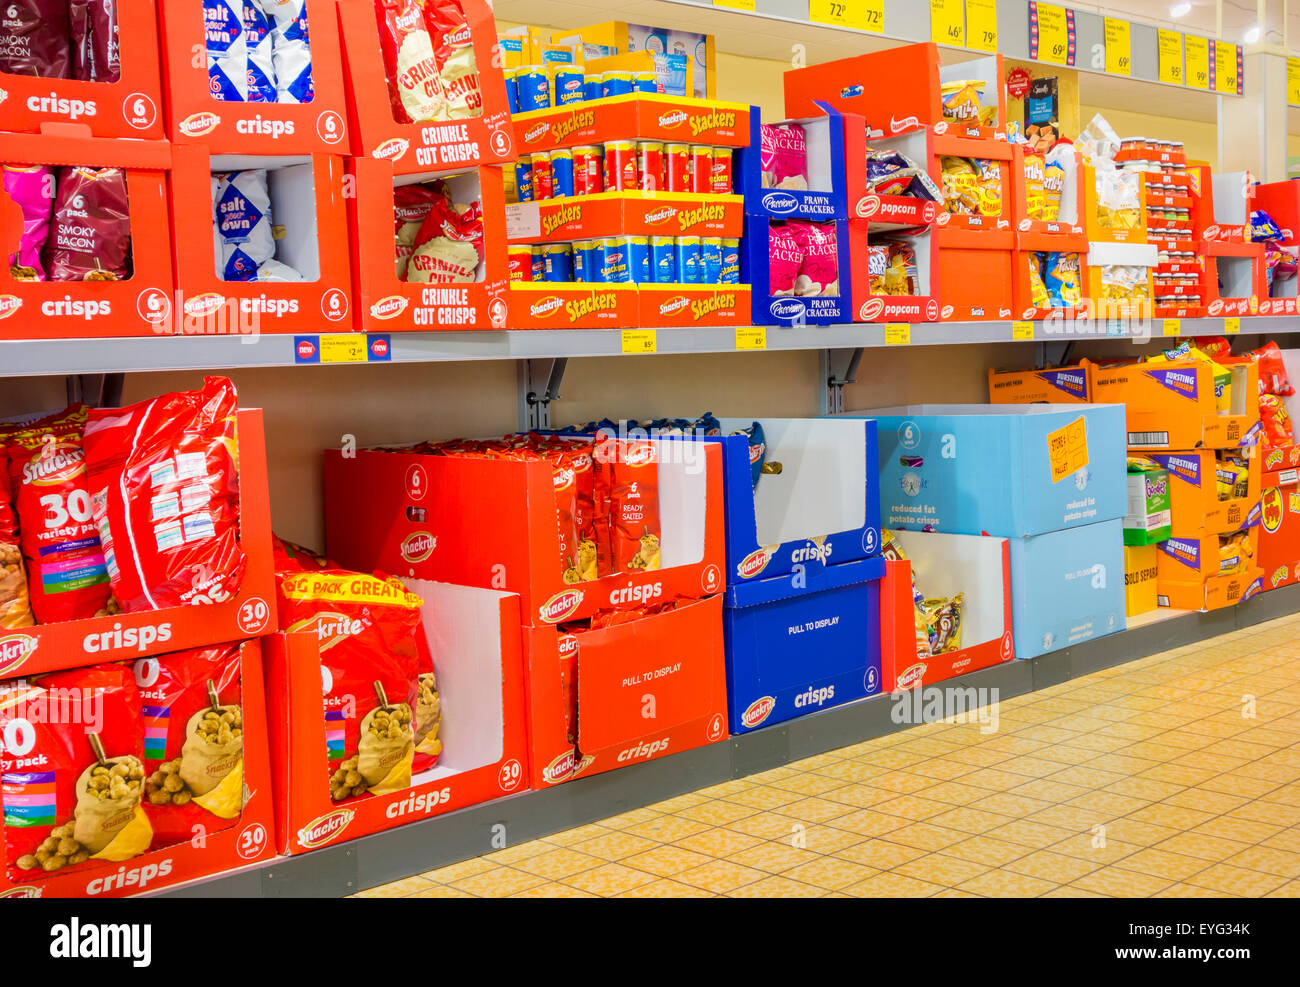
x=1162 y=601
x=1148 y=438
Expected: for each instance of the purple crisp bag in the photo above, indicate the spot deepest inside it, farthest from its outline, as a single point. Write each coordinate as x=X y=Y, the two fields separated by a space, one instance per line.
x=103 y=40
x=34 y=38
x=784 y=156
x=32 y=189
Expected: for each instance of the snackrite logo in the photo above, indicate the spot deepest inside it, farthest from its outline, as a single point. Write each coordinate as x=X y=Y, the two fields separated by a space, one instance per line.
x=14 y=650
x=559 y=769
x=674 y=305
x=660 y=216
x=418 y=546
x=868 y=206
x=561 y=606
x=910 y=677
x=754 y=563
x=391 y=149
x=388 y=308
x=201 y=306
x=758 y=711
x=9 y=304
x=674 y=119
x=320 y=831
x=546 y=307
x=198 y=124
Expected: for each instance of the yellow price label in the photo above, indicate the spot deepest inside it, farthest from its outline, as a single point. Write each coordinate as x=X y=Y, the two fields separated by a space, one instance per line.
x=898 y=333
x=1053 y=24
x=343 y=348
x=1225 y=68
x=948 y=23
x=982 y=25
x=1293 y=81
x=639 y=341
x=1172 y=327
x=735 y=4
x=1067 y=449
x=1169 y=48
x=1022 y=330
x=1197 y=52
x=751 y=338
x=1232 y=324
x=1119 y=52
x=861 y=15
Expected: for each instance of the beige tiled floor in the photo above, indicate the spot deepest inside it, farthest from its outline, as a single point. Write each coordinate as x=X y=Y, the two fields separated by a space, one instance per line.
x=1177 y=775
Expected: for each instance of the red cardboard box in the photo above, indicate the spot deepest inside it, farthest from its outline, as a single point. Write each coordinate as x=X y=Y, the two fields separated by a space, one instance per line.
x=130 y=107
x=446 y=145
x=307 y=198
x=245 y=842
x=898 y=89
x=139 y=306
x=997 y=151
x=194 y=116
x=660 y=305
x=976 y=271
x=474 y=637
x=608 y=214
x=1222 y=204
x=1279 y=529
x=1027 y=245
x=564 y=305
x=127 y=636
x=670 y=664
x=982 y=567
x=488 y=522
x=385 y=304
x=1240 y=268
x=639 y=116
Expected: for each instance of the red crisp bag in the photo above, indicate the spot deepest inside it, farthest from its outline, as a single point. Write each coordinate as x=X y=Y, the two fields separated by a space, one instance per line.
x=15 y=607
x=368 y=629
x=193 y=741
x=578 y=457
x=453 y=48
x=414 y=85
x=428 y=710
x=66 y=570
x=71 y=770
x=631 y=469
x=1275 y=422
x=1272 y=370
x=164 y=475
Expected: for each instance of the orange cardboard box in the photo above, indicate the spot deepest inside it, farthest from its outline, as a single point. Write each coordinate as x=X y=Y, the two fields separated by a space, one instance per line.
x=1027 y=245
x=128 y=636
x=662 y=305
x=1281 y=458
x=1111 y=234
x=491 y=523
x=1171 y=405
x=639 y=116
x=976 y=269
x=474 y=638
x=1279 y=530
x=608 y=214
x=898 y=89
x=1194 y=560
x=1194 y=506
x=1224 y=217
x=444 y=145
x=1213 y=593
x=247 y=841
x=385 y=304
x=307 y=196
x=139 y=306
x=997 y=151
x=130 y=107
x=671 y=663
x=194 y=116
x=572 y=305
x=1055 y=385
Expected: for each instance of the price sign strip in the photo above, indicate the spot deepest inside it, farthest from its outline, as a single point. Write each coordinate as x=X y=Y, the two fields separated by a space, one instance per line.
x=1046 y=49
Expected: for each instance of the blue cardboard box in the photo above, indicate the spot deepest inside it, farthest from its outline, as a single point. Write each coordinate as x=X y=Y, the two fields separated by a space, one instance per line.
x=799 y=643
x=791 y=310
x=1005 y=470
x=824 y=198
x=1067 y=586
x=820 y=509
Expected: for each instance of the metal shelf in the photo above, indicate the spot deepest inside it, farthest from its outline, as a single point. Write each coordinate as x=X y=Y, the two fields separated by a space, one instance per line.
x=19 y=358
x=423 y=846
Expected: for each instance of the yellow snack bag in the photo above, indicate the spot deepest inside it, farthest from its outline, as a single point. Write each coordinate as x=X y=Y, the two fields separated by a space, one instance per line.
x=962 y=102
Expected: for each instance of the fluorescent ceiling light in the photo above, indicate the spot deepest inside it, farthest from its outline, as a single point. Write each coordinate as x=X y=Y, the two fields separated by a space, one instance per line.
x=1180 y=10
x=1252 y=35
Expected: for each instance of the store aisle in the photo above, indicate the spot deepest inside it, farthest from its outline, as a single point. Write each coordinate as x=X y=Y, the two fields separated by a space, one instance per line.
x=1176 y=775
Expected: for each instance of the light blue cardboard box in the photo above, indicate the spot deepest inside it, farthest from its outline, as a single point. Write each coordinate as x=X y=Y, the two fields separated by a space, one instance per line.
x=1067 y=586
x=1004 y=470
x=795 y=646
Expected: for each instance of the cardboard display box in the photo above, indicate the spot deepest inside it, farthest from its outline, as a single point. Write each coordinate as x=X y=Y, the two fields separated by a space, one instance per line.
x=797 y=645
x=141 y=305
x=1279 y=529
x=645 y=689
x=307 y=199
x=1194 y=505
x=474 y=638
x=1140 y=594
x=128 y=636
x=491 y=523
x=639 y=116
x=943 y=566
x=245 y=841
x=1008 y=470
x=1055 y=385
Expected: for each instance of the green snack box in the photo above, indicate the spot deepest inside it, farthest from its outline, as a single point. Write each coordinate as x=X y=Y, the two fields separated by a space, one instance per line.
x=1148 y=519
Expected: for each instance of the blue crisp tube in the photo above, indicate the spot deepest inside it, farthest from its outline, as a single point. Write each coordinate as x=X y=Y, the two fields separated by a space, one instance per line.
x=711 y=260
x=730 y=262
x=689 y=263
x=559 y=262
x=638 y=259
x=663 y=259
